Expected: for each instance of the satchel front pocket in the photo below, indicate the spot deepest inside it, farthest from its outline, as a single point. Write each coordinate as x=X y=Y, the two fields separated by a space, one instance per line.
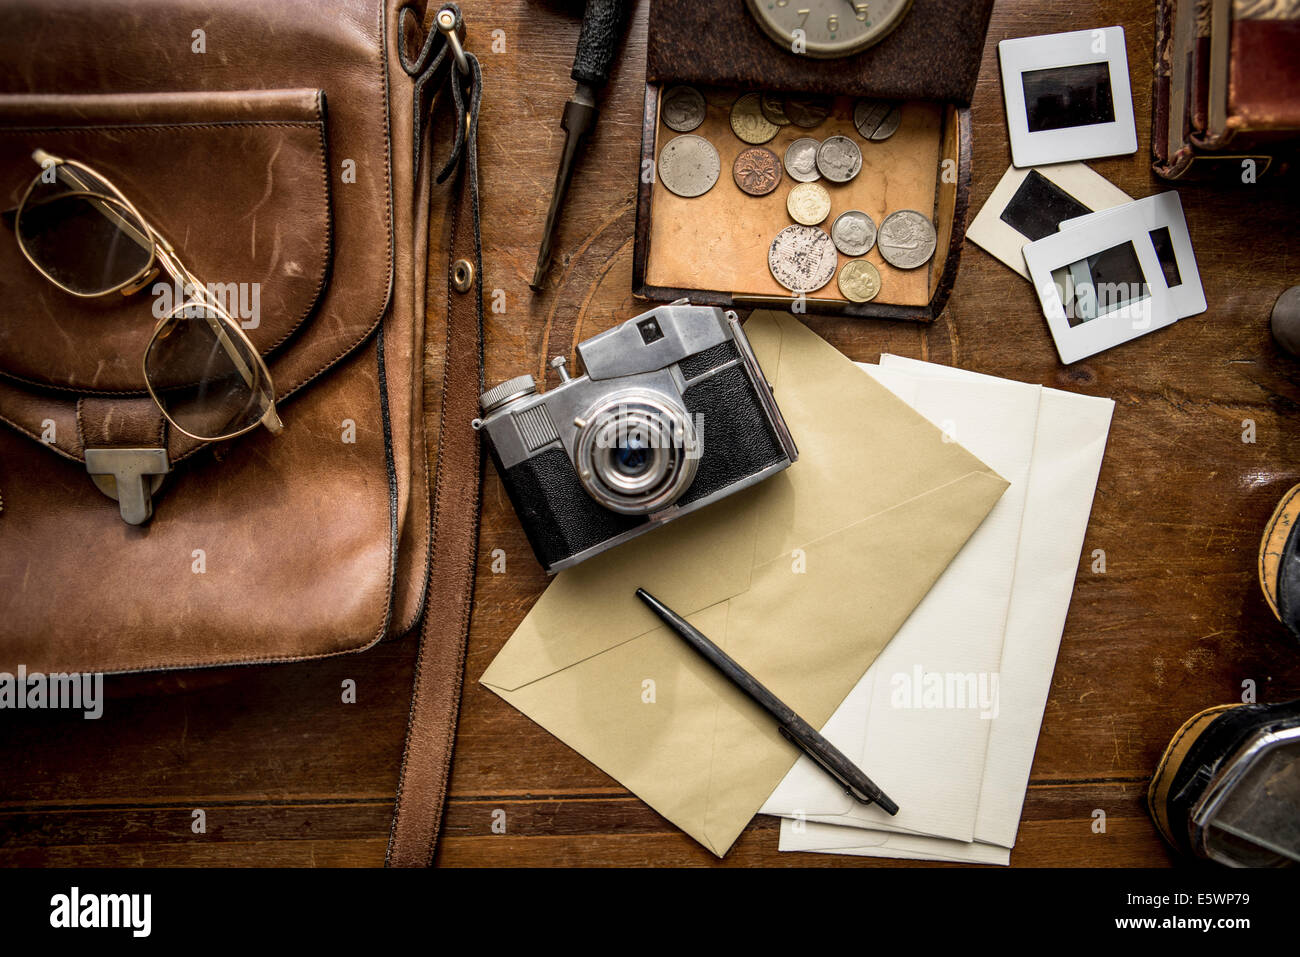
x=236 y=182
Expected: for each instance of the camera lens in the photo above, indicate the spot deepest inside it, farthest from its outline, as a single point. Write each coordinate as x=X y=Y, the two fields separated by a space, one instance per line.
x=637 y=452
x=632 y=457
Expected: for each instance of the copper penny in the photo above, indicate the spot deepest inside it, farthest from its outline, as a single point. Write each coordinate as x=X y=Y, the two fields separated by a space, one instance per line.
x=757 y=171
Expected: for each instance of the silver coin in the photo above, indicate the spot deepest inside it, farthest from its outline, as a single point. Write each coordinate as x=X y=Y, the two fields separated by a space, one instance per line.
x=839 y=159
x=689 y=165
x=907 y=239
x=888 y=125
x=683 y=108
x=802 y=258
x=801 y=160
x=854 y=233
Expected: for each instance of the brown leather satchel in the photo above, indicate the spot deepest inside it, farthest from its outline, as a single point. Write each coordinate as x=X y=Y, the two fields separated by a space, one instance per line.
x=283 y=152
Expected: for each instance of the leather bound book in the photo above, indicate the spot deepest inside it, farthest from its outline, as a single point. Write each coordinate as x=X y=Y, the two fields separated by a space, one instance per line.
x=1171 y=93
x=1226 y=88
x=933 y=54
x=1199 y=90
x=1262 y=104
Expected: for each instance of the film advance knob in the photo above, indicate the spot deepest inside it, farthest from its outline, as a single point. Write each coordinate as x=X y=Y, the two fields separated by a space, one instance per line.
x=499 y=395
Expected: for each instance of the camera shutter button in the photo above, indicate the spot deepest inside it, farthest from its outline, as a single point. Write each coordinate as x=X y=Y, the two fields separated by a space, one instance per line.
x=507 y=391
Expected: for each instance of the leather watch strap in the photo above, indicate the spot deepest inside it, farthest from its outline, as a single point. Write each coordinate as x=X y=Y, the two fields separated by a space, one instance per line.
x=440 y=663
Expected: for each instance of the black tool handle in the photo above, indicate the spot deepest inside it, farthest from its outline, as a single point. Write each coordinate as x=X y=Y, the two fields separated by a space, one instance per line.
x=602 y=28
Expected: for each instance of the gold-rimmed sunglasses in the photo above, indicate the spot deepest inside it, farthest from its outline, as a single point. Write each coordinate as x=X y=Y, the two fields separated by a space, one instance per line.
x=82 y=234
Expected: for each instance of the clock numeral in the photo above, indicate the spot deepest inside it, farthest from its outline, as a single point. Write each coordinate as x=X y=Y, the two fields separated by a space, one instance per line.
x=832 y=23
x=861 y=9
x=783 y=3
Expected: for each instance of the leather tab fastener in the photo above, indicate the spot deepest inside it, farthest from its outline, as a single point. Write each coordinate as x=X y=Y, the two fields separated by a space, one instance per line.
x=122 y=474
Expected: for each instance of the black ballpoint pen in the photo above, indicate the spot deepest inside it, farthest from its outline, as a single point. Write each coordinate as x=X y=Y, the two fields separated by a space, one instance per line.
x=828 y=757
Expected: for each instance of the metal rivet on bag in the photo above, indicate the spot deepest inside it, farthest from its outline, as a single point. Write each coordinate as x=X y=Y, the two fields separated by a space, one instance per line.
x=462 y=274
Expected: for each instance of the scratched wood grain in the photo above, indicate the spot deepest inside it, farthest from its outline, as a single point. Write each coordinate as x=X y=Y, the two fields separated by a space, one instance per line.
x=287 y=774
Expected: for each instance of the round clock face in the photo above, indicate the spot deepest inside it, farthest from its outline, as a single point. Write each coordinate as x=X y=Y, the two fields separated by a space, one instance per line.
x=828 y=28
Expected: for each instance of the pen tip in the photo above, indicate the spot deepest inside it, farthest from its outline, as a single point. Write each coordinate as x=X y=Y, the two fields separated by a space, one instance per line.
x=653 y=603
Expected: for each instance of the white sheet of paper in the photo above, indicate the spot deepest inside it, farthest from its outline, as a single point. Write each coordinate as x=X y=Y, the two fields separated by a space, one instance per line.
x=923 y=710
x=1069 y=443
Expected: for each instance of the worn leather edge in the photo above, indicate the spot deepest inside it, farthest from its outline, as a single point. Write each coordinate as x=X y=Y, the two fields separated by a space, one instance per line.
x=1271 y=541
x=1170 y=761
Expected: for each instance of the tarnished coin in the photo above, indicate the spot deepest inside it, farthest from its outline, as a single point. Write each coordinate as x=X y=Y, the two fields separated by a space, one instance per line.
x=748 y=121
x=888 y=125
x=907 y=239
x=859 y=281
x=807 y=111
x=689 y=165
x=773 y=108
x=683 y=108
x=867 y=114
x=854 y=233
x=757 y=171
x=876 y=119
x=839 y=159
x=808 y=204
x=801 y=160
x=802 y=258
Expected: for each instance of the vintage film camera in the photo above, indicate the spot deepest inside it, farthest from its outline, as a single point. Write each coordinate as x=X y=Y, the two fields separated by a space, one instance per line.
x=673 y=413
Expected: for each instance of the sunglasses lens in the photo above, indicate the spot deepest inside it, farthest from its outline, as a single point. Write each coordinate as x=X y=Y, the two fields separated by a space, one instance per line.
x=80 y=235
x=204 y=374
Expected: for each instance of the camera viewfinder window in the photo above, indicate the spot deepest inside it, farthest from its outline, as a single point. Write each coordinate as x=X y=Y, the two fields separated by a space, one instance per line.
x=1164 y=246
x=1039 y=206
x=650 y=331
x=1066 y=97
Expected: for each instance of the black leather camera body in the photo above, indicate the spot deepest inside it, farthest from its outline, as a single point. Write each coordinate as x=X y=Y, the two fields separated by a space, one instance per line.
x=673 y=413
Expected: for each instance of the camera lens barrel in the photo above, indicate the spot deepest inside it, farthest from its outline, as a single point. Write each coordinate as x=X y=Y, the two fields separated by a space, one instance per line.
x=636 y=452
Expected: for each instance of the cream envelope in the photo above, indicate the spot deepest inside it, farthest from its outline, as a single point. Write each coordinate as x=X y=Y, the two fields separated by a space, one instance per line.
x=802 y=579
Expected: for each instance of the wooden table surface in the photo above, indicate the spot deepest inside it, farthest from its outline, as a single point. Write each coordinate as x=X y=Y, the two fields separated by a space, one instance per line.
x=286 y=774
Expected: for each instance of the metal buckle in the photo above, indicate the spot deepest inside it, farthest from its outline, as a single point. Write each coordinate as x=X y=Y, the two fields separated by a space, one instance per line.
x=120 y=474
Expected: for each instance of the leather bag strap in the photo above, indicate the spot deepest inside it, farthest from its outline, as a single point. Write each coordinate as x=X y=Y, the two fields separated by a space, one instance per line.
x=440 y=661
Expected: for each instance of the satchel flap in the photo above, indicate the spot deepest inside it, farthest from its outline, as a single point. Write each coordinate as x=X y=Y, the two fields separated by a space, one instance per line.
x=214 y=54
x=235 y=181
